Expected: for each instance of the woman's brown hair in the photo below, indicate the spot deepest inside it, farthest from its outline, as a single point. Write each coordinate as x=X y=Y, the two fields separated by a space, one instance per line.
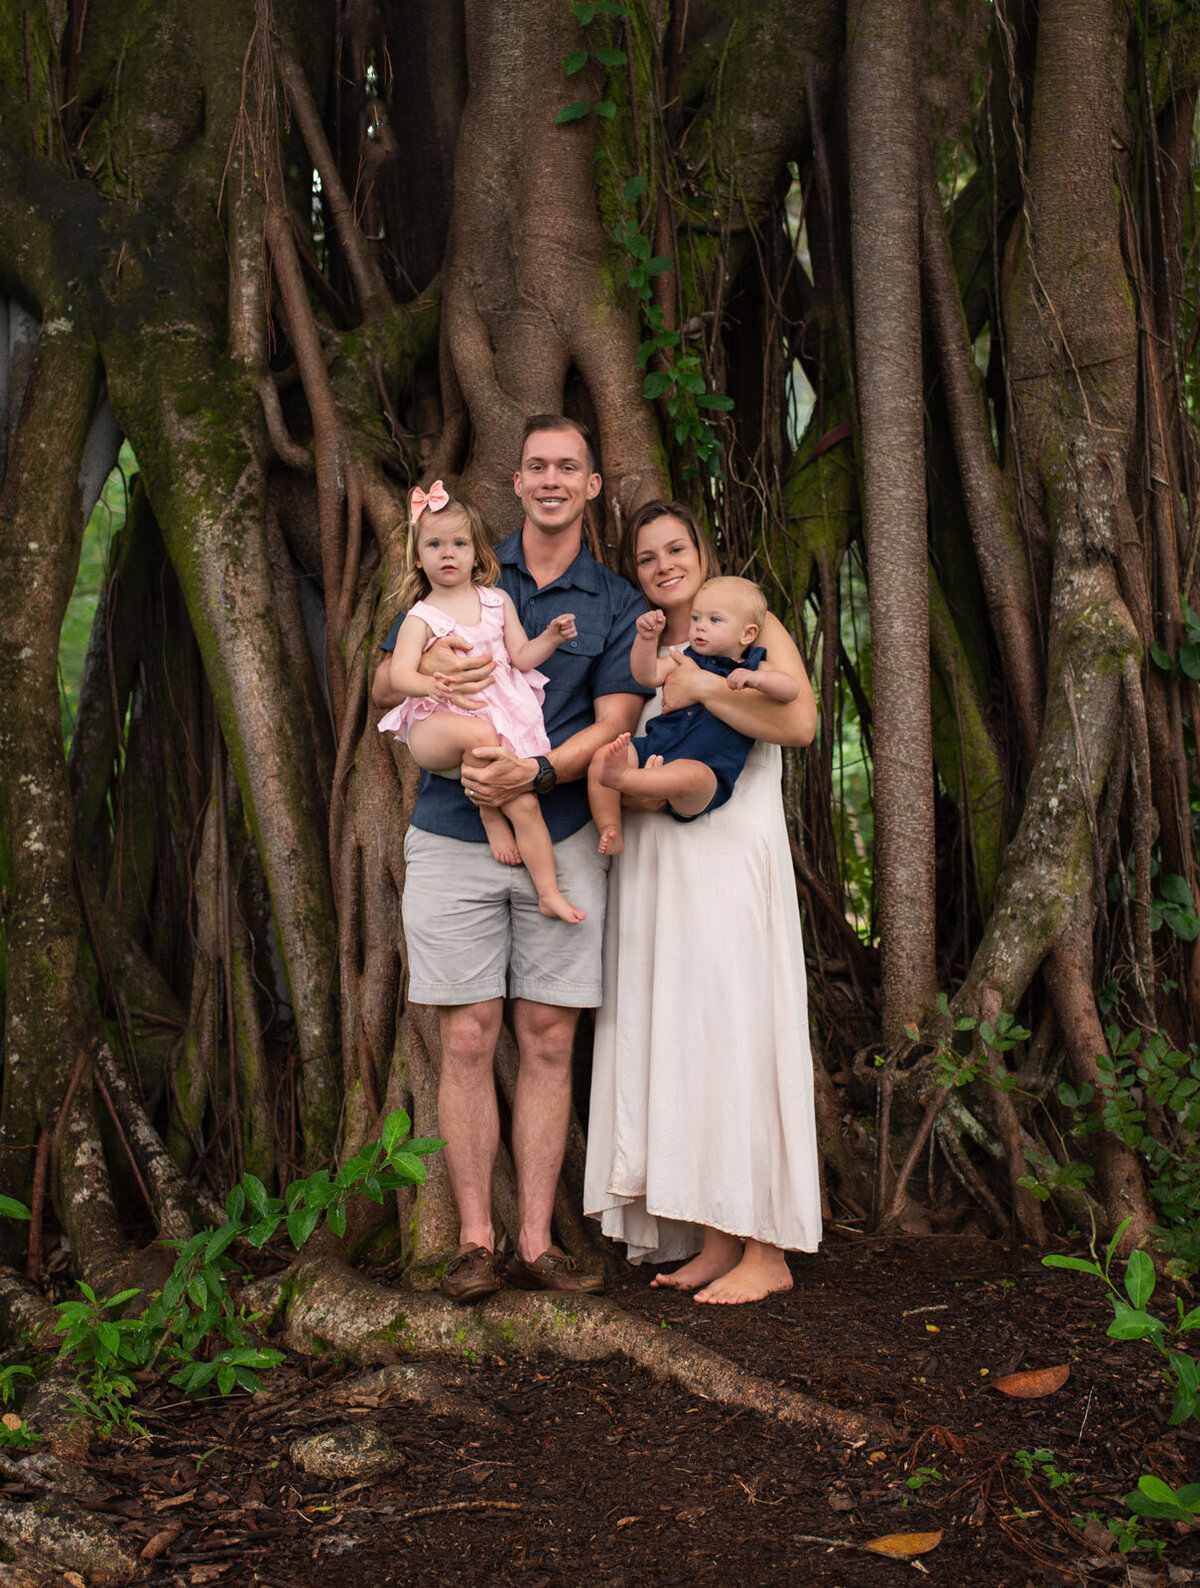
x=646 y=514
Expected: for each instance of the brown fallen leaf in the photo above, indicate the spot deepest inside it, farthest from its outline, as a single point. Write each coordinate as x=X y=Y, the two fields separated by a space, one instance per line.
x=901 y=1546
x=160 y=1542
x=625 y=1520
x=178 y=1499
x=1038 y=1381
x=12 y=1422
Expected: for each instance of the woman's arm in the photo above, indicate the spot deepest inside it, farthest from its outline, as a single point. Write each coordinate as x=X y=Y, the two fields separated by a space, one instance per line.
x=524 y=652
x=750 y=712
x=402 y=678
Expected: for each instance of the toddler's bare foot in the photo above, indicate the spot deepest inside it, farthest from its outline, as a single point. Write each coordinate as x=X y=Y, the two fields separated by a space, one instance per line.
x=501 y=839
x=611 y=842
x=717 y=1256
x=555 y=904
x=612 y=764
x=762 y=1271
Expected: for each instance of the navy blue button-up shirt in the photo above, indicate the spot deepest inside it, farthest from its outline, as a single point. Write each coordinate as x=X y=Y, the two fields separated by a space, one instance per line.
x=595 y=662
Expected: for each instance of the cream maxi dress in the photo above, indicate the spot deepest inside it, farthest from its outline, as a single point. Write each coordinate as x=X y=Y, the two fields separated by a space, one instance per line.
x=702 y=1088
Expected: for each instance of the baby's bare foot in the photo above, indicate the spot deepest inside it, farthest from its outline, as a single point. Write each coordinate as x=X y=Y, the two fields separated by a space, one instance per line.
x=611 y=842
x=554 y=904
x=612 y=766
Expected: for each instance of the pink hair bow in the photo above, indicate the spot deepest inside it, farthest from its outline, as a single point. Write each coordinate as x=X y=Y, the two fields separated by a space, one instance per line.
x=435 y=499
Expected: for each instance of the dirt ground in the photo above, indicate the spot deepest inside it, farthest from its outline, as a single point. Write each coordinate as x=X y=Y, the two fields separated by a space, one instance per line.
x=553 y=1472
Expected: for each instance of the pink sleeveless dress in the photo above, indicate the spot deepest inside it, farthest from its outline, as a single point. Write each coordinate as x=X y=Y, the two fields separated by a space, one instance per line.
x=514 y=699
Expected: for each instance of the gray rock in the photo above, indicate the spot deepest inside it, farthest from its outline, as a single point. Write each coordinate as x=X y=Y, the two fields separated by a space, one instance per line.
x=351 y=1450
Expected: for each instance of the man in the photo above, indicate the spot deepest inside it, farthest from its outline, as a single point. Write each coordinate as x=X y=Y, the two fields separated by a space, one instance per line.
x=472 y=924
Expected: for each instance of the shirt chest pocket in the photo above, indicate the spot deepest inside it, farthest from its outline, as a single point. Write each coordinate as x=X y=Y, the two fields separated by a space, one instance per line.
x=568 y=667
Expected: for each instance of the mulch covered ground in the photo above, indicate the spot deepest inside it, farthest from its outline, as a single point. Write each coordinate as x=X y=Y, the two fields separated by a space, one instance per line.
x=559 y=1473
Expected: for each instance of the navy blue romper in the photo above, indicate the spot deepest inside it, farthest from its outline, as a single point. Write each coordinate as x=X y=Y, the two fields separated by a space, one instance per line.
x=694 y=734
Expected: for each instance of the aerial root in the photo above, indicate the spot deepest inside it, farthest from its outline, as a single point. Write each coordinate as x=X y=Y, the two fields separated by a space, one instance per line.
x=328 y=1306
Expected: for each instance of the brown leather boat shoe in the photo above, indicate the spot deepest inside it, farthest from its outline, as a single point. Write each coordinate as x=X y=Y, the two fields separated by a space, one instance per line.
x=554 y=1271
x=470 y=1274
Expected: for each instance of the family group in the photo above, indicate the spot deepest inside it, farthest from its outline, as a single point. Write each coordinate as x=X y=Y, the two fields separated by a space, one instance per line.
x=600 y=825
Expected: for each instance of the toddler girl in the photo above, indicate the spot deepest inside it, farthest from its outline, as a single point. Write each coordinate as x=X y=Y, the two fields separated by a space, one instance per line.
x=450 y=562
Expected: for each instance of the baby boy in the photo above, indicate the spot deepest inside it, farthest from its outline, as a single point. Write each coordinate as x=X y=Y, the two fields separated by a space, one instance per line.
x=688 y=759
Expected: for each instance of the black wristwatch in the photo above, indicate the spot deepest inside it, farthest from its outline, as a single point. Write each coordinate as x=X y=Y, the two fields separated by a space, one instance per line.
x=545 y=777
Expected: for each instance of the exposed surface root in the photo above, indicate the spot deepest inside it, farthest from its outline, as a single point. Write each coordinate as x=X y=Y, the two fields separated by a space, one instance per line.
x=330 y=1307
x=70 y=1537
x=404 y=1381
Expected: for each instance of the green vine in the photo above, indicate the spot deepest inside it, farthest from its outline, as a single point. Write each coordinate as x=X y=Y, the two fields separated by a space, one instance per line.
x=678 y=384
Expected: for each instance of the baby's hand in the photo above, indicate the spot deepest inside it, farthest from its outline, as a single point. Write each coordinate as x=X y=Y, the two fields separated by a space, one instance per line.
x=562 y=628
x=651 y=623
x=741 y=678
x=440 y=690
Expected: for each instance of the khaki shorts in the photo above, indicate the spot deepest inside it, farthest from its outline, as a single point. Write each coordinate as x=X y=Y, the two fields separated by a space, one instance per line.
x=474 y=930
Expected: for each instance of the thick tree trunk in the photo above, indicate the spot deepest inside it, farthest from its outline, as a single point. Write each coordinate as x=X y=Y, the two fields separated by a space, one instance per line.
x=884 y=143
x=49 y=1024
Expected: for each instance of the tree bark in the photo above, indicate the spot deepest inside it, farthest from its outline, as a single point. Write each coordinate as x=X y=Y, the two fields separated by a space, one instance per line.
x=887 y=333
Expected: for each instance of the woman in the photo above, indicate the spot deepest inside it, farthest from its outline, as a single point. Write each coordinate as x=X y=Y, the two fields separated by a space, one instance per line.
x=701 y=1138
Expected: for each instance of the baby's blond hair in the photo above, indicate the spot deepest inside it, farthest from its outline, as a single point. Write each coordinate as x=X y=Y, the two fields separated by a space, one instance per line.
x=747 y=595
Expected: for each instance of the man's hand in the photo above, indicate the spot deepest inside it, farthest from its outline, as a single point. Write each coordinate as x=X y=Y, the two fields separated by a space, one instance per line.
x=562 y=628
x=463 y=676
x=651 y=623
x=491 y=775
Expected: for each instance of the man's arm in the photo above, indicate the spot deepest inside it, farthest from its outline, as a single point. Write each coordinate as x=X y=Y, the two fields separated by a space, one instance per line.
x=749 y=712
x=498 y=774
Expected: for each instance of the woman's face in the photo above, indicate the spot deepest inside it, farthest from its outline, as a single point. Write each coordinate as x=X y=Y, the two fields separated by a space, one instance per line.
x=668 y=564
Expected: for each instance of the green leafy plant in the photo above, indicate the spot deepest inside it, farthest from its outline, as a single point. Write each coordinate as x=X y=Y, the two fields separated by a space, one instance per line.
x=957 y=1067
x=195 y=1302
x=1131 y=1321
x=922 y=1476
x=1189 y=650
x=1128 y=1532
x=1041 y=1464
x=1154 y=1498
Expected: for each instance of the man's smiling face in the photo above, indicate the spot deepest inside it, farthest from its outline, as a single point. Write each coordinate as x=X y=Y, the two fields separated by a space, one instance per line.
x=555 y=480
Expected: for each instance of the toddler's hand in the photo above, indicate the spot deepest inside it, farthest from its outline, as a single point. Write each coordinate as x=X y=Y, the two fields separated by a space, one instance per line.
x=651 y=623
x=562 y=628
x=741 y=678
x=440 y=690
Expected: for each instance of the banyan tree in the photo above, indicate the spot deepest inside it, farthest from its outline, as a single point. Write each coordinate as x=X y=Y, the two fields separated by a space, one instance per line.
x=900 y=296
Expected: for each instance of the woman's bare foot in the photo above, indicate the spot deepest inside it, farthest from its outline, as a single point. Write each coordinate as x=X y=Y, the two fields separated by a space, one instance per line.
x=611 y=842
x=717 y=1256
x=762 y=1271
x=612 y=765
x=501 y=839
x=556 y=904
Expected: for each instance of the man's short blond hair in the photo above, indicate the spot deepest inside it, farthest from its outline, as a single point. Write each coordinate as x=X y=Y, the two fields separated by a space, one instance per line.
x=744 y=592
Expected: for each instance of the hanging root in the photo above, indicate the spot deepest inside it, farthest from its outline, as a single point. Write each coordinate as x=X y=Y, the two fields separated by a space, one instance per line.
x=166 y=1190
x=330 y=1307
